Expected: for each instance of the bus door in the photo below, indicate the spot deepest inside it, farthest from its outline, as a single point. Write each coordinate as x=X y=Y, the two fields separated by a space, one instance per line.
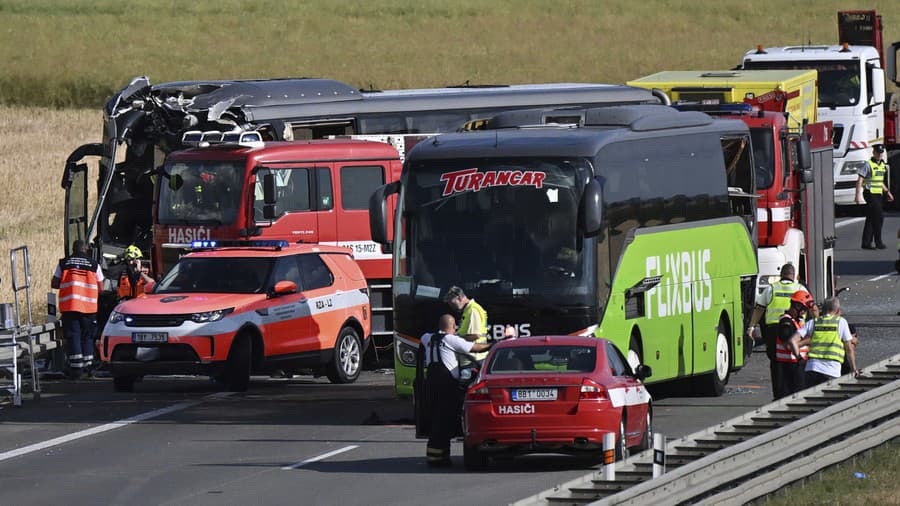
x=304 y=205
x=356 y=182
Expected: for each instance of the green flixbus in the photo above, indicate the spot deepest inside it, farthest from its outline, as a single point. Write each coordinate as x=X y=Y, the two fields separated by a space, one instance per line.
x=632 y=223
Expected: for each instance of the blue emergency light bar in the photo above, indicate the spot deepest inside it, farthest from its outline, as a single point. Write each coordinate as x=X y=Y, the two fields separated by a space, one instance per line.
x=278 y=244
x=735 y=109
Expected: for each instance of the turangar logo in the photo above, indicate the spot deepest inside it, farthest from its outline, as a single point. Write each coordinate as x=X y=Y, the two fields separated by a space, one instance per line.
x=685 y=284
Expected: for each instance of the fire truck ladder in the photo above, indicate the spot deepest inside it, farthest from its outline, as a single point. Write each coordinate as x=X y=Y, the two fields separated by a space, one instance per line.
x=21 y=331
x=738 y=454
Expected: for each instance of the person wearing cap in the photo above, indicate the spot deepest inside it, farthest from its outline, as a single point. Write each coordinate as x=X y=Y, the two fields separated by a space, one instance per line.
x=871 y=189
x=135 y=279
x=473 y=320
x=790 y=364
x=79 y=280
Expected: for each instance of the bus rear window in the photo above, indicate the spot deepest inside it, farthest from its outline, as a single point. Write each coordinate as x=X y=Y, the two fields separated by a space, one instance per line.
x=544 y=359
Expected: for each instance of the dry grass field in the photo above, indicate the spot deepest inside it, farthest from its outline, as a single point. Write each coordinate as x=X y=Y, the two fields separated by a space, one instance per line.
x=34 y=143
x=76 y=53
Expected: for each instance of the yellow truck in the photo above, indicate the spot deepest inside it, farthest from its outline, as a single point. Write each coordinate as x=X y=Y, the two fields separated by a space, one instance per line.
x=798 y=87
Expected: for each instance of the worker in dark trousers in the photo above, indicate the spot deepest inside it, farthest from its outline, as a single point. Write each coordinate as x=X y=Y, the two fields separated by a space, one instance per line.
x=444 y=394
x=774 y=301
x=871 y=188
x=791 y=365
x=79 y=281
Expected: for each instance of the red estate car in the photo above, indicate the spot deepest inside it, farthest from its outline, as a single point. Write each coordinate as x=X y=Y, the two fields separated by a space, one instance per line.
x=555 y=394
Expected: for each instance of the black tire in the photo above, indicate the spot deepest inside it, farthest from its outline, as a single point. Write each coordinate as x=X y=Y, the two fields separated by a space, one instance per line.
x=237 y=370
x=123 y=383
x=713 y=384
x=621 y=444
x=474 y=459
x=647 y=437
x=347 y=362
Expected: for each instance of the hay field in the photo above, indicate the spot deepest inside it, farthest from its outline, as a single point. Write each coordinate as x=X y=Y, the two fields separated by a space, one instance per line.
x=63 y=59
x=34 y=143
x=75 y=53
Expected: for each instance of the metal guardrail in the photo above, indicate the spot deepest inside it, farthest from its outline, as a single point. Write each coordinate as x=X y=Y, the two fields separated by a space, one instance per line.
x=725 y=463
x=44 y=339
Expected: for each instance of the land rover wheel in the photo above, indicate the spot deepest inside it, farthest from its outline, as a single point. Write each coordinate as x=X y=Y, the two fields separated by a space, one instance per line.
x=347 y=361
x=237 y=369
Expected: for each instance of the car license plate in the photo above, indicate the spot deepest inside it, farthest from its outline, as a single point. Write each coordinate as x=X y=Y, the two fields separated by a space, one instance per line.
x=149 y=337
x=534 y=394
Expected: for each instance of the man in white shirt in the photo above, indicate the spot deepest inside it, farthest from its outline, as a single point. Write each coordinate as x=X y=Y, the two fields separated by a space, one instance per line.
x=443 y=395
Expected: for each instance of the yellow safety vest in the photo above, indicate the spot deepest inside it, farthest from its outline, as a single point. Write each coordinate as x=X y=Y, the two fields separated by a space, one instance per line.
x=825 y=342
x=875 y=180
x=465 y=326
x=781 y=300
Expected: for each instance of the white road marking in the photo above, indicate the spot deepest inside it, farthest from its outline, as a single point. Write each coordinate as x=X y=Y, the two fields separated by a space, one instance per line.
x=879 y=278
x=106 y=427
x=320 y=457
x=848 y=222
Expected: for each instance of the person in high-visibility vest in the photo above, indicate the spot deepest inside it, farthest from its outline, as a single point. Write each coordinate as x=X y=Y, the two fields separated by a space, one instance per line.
x=79 y=280
x=829 y=340
x=773 y=302
x=789 y=363
x=134 y=280
x=474 y=319
x=871 y=189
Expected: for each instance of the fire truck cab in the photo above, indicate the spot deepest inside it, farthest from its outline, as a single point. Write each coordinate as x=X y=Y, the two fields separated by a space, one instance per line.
x=791 y=154
x=240 y=187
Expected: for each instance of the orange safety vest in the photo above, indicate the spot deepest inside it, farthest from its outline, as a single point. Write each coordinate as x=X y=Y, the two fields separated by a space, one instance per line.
x=78 y=285
x=128 y=291
x=783 y=352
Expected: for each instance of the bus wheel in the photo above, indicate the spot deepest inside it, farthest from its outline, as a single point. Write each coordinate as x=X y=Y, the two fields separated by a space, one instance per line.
x=237 y=376
x=345 y=366
x=635 y=356
x=713 y=384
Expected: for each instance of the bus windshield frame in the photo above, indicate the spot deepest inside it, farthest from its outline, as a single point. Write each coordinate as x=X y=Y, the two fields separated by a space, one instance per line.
x=520 y=218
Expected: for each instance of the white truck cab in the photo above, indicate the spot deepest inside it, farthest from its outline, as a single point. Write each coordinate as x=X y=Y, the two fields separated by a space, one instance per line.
x=851 y=95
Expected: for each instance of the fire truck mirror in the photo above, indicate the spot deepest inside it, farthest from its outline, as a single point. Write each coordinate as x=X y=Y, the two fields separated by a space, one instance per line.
x=269 y=195
x=804 y=157
x=592 y=207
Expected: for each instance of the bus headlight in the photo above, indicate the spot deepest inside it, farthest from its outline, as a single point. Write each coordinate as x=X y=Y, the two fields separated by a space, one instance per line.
x=851 y=168
x=210 y=316
x=406 y=354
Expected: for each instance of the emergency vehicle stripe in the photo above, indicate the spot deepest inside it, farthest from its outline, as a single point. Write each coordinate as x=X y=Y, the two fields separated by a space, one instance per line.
x=628 y=396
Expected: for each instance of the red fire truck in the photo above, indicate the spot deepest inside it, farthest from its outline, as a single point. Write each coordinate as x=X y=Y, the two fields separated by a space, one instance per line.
x=795 y=210
x=303 y=191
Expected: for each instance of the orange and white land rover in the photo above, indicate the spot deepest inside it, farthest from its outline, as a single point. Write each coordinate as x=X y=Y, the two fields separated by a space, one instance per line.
x=235 y=310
